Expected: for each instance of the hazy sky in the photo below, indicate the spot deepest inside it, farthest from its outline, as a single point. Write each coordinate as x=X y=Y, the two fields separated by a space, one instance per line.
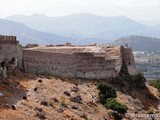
x=136 y=9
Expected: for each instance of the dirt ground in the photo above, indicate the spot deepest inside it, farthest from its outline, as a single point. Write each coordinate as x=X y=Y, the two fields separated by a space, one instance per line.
x=31 y=97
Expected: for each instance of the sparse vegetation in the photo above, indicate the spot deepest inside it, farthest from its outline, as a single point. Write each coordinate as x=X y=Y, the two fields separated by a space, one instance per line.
x=51 y=102
x=63 y=101
x=117 y=116
x=107 y=97
x=64 y=104
x=82 y=99
x=140 y=76
x=155 y=83
x=106 y=91
x=111 y=103
x=76 y=99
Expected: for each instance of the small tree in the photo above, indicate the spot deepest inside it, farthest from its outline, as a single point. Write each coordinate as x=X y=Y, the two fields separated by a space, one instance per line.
x=111 y=103
x=106 y=91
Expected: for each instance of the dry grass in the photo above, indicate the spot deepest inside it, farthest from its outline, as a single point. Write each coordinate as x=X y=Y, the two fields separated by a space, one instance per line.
x=9 y=114
x=54 y=88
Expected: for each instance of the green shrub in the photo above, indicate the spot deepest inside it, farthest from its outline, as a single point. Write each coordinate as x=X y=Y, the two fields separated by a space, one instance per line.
x=117 y=116
x=111 y=103
x=51 y=102
x=106 y=91
x=155 y=83
x=64 y=104
x=140 y=75
x=102 y=98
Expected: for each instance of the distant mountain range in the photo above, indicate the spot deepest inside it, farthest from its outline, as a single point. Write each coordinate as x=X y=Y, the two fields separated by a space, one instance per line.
x=140 y=43
x=82 y=29
x=88 y=26
x=29 y=35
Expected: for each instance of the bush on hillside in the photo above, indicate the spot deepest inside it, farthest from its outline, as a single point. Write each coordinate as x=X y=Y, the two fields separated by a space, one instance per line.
x=140 y=76
x=106 y=91
x=155 y=83
x=111 y=103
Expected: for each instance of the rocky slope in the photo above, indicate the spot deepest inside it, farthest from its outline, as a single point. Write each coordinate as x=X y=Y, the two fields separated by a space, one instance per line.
x=56 y=98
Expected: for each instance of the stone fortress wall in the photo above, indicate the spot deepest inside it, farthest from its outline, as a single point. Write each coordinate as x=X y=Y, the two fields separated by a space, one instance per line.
x=91 y=62
x=9 y=49
x=128 y=60
x=81 y=62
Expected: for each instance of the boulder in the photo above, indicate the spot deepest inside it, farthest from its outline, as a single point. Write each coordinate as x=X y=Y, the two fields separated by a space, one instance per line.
x=67 y=93
x=76 y=99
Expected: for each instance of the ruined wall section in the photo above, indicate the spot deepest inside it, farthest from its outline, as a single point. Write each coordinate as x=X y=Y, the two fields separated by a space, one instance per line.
x=116 y=54
x=118 y=64
x=10 y=48
x=91 y=66
x=128 y=60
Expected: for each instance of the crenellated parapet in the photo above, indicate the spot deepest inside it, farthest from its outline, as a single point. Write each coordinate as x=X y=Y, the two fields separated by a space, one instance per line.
x=10 y=49
x=5 y=40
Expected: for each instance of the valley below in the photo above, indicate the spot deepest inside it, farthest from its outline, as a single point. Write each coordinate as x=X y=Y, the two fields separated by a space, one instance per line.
x=149 y=64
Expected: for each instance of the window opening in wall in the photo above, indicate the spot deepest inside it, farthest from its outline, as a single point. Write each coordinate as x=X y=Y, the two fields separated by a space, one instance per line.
x=3 y=64
x=13 y=59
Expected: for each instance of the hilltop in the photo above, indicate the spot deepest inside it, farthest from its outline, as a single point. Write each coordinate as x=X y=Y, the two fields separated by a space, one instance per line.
x=140 y=43
x=27 y=35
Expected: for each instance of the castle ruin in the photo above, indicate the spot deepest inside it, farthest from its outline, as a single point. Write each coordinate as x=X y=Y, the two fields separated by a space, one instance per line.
x=10 y=48
x=90 y=62
x=10 y=51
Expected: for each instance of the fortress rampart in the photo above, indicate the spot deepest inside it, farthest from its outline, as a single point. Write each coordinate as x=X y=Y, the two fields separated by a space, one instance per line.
x=91 y=62
x=81 y=62
x=128 y=60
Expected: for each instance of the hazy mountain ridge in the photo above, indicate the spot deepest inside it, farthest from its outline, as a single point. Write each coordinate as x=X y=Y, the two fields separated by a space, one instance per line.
x=87 y=26
x=29 y=35
x=140 y=43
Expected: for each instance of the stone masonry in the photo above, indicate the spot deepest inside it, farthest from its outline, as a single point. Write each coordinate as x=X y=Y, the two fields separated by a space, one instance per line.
x=90 y=62
x=9 y=49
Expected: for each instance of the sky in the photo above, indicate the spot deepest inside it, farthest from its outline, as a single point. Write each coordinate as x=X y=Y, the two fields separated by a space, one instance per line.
x=135 y=9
